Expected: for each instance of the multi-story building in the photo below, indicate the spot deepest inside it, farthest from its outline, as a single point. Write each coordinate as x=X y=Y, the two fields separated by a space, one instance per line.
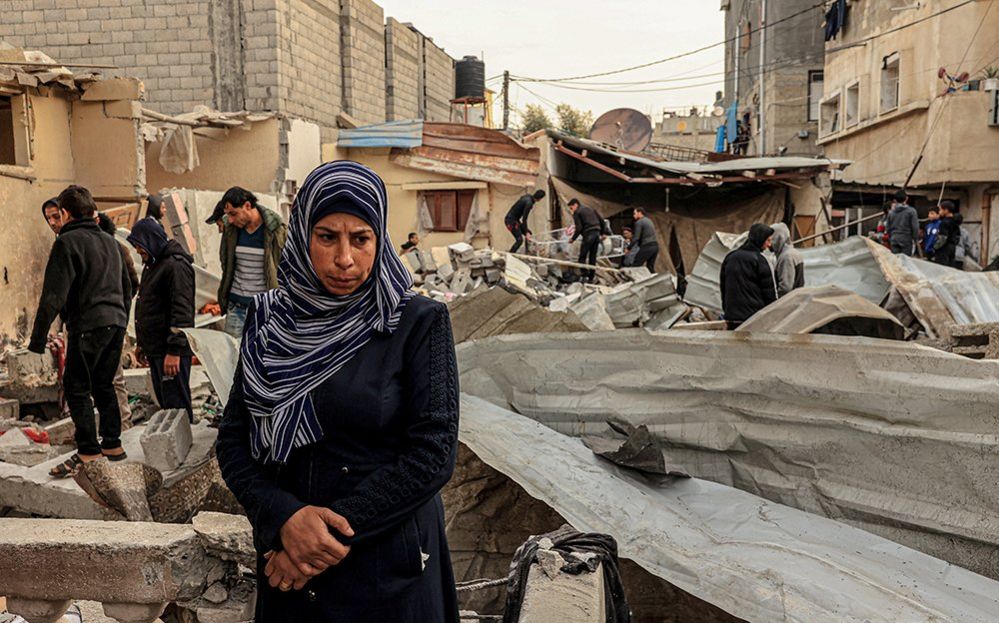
x=305 y=58
x=896 y=105
x=773 y=71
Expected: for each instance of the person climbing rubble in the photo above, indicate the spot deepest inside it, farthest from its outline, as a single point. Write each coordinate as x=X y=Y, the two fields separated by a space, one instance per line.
x=590 y=227
x=644 y=242
x=86 y=283
x=789 y=267
x=746 y=280
x=516 y=219
x=165 y=307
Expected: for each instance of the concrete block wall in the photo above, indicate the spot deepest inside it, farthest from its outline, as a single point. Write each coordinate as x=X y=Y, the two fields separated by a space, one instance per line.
x=438 y=85
x=362 y=37
x=306 y=58
x=402 y=66
x=175 y=64
x=308 y=45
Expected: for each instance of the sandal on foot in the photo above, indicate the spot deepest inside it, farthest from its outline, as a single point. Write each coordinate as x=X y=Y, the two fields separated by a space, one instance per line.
x=67 y=468
x=115 y=457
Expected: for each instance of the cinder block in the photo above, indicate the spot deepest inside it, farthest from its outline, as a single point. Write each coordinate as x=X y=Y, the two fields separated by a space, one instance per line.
x=23 y=364
x=167 y=439
x=10 y=409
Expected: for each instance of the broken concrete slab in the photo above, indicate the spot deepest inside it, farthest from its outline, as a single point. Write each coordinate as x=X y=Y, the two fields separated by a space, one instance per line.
x=167 y=439
x=563 y=597
x=592 y=312
x=32 y=490
x=461 y=252
x=47 y=563
x=230 y=537
x=494 y=311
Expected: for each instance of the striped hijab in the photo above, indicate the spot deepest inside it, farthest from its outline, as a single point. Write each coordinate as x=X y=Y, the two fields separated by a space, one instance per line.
x=299 y=334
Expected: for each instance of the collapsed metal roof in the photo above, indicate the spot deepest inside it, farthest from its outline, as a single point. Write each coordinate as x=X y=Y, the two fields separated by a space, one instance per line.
x=755 y=559
x=453 y=149
x=646 y=169
x=846 y=427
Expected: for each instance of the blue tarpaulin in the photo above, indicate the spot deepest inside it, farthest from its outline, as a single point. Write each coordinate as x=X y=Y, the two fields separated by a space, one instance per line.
x=405 y=134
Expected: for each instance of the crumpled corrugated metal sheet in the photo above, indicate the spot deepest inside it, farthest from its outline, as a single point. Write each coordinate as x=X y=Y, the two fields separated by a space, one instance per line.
x=847 y=264
x=825 y=309
x=898 y=438
x=940 y=296
x=757 y=560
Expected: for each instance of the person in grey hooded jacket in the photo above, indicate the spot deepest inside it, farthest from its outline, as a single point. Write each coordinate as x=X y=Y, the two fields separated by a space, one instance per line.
x=789 y=269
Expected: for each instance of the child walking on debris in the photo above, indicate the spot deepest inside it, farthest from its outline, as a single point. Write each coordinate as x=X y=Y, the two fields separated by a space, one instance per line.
x=87 y=284
x=164 y=308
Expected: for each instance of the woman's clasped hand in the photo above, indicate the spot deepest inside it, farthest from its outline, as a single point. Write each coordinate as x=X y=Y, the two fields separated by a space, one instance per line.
x=309 y=547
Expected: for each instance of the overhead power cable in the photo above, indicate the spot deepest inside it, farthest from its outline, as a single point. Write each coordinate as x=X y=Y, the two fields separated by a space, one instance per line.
x=684 y=54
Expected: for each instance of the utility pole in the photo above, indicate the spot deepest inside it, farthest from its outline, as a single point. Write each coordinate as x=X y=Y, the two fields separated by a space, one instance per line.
x=763 y=78
x=506 y=100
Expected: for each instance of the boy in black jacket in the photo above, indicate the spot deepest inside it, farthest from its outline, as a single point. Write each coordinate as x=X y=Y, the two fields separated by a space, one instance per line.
x=87 y=285
x=165 y=306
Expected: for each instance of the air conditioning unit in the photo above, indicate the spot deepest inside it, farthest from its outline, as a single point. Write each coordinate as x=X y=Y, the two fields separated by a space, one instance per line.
x=994 y=108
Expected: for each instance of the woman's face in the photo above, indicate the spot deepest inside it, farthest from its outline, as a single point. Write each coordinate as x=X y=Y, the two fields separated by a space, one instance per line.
x=342 y=249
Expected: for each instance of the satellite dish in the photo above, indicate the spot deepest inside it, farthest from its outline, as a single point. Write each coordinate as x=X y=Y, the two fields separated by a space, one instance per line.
x=624 y=128
x=718 y=111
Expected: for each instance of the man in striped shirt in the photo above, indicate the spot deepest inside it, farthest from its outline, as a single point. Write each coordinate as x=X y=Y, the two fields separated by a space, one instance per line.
x=251 y=249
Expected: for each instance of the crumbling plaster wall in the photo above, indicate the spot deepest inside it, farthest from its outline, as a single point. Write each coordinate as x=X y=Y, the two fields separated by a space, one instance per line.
x=26 y=240
x=237 y=157
x=108 y=149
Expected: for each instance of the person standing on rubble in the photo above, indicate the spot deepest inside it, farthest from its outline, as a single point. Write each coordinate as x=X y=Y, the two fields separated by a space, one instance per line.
x=342 y=424
x=87 y=284
x=165 y=307
x=120 y=388
x=516 y=218
x=746 y=280
x=590 y=227
x=789 y=268
x=643 y=242
x=251 y=249
x=902 y=225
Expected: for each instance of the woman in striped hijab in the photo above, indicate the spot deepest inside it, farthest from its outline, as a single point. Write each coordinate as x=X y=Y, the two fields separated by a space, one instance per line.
x=342 y=424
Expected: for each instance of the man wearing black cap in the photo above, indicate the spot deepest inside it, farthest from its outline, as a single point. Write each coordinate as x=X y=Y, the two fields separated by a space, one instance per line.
x=252 y=240
x=747 y=280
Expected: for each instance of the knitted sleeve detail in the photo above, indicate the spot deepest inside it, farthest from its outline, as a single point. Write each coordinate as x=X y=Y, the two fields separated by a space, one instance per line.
x=426 y=466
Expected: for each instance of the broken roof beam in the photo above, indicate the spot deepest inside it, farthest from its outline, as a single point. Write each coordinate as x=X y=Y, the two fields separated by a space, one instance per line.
x=593 y=163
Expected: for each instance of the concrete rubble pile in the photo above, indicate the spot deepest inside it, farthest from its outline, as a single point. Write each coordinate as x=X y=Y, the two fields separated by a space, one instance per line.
x=620 y=298
x=203 y=567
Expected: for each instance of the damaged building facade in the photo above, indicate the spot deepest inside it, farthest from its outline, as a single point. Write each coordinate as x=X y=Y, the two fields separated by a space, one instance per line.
x=54 y=130
x=773 y=72
x=309 y=60
x=896 y=106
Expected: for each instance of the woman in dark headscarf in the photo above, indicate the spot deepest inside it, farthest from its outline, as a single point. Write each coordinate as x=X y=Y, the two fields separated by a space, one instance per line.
x=342 y=424
x=165 y=307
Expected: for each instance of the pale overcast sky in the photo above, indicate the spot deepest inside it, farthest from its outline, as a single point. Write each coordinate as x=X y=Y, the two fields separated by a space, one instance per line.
x=564 y=38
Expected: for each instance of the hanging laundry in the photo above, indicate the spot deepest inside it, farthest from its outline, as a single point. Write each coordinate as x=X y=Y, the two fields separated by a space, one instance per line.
x=836 y=19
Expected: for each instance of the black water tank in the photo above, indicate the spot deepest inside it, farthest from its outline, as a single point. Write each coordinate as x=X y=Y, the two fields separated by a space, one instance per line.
x=469 y=78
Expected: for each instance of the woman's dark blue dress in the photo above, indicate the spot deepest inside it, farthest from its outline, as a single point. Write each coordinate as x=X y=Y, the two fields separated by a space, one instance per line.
x=390 y=424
